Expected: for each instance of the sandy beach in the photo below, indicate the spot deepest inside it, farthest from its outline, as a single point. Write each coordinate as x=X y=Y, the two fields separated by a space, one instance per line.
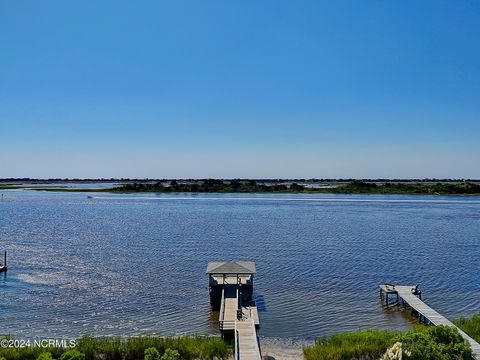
x=272 y=350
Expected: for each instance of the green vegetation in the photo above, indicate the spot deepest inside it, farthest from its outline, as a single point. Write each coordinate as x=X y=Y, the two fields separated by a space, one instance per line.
x=152 y=354
x=354 y=187
x=470 y=325
x=359 y=187
x=133 y=348
x=413 y=187
x=171 y=355
x=207 y=186
x=436 y=342
x=9 y=187
x=422 y=343
x=45 y=356
x=370 y=343
x=72 y=355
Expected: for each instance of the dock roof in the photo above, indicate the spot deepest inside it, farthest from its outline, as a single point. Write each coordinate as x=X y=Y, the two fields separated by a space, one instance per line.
x=231 y=267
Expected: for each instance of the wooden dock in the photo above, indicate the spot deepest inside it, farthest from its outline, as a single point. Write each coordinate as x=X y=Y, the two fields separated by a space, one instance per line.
x=243 y=321
x=410 y=296
x=246 y=341
x=231 y=285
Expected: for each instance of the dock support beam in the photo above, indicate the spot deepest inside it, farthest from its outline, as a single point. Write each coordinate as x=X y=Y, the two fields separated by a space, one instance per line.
x=384 y=292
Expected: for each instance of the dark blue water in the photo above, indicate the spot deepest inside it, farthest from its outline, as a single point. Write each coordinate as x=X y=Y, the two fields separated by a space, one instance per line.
x=129 y=264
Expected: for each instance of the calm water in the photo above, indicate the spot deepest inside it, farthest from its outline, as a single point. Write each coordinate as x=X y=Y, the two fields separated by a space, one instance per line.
x=129 y=264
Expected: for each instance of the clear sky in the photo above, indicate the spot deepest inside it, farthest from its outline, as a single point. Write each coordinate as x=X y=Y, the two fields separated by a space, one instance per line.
x=245 y=88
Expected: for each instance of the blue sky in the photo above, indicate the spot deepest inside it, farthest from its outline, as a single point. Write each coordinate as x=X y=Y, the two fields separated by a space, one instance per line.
x=240 y=89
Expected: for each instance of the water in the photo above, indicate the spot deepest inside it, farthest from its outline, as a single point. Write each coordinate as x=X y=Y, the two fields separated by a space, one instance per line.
x=131 y=264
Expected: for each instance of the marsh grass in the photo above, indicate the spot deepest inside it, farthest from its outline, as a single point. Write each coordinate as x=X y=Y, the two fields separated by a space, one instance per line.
x=470 y=325
x=421 y=343
x=370 y=344
x=132 y=348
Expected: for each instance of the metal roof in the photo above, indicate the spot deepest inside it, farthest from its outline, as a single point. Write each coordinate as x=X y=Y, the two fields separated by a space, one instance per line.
x=231 y=267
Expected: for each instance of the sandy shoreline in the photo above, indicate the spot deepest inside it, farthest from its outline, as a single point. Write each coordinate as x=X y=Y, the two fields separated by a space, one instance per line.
x=274 y=350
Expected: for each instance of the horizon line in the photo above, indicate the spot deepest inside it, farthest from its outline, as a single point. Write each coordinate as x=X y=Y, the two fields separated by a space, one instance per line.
x=315 y=179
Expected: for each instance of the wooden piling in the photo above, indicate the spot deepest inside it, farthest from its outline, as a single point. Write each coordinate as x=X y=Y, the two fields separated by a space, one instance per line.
x=4 y=266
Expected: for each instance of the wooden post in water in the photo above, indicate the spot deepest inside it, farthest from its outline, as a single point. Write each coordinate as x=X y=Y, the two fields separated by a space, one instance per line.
x=4 y=266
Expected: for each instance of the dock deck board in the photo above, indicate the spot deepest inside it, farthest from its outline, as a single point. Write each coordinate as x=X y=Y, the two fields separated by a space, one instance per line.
x=245 y=329
x=405 y=292
x=247 y=340
x=238 y=312
x=251 y=312
x=230 y=313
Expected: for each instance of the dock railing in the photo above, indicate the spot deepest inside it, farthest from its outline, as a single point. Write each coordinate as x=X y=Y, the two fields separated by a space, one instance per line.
x=222 y=310
x=239 y=306
x=256 y=355
x=257 y=346
x=229 y=324
x=237 y=343
x=222 y=306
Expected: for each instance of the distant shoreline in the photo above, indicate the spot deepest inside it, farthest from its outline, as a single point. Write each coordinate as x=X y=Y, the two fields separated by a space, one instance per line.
x=216 y=186
x=259 y=180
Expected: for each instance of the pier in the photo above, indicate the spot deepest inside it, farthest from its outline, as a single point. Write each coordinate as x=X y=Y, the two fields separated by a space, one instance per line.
x=3 y=267
x=411 y=296
x=231 y=292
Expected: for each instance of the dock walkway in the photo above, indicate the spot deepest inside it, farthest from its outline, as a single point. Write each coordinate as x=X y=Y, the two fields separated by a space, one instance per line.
x=246 y=341
x=425 y=312
x=231 y=290
x=244 y=326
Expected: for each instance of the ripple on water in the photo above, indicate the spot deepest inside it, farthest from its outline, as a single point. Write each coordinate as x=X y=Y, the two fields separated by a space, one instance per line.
x=133 y=263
